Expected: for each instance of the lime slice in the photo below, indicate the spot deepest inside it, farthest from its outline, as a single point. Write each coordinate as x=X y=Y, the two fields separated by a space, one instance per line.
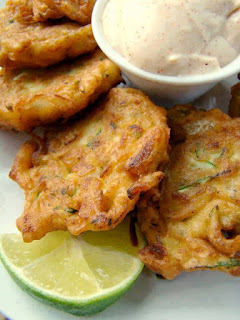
x=80 y=275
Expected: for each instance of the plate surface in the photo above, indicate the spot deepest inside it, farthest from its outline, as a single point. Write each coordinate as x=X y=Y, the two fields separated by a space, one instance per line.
x=200 y=295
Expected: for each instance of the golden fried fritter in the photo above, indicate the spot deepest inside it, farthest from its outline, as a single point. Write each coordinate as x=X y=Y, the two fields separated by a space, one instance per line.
x=193 y=221
x=37 y=97
x=41 y=44
x=20 y=10
x=185 y=120
x=234 y=108
x=42 y=10
x=89 y=174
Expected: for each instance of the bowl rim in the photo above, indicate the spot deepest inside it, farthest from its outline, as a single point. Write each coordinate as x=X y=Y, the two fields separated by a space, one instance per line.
x=216 y=76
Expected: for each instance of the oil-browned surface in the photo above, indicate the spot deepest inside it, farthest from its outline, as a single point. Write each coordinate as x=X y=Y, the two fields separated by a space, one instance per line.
x=89 y=174
x=185 y=121
x=41 y=44
x=193 y=220
x=42 y=10
x=234 y=108
x=37 y=97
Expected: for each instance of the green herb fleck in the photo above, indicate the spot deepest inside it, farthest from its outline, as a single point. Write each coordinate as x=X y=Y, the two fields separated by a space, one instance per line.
x=197 y=182
x=137 y=134
x=93 y=144
x=226 y=264
x=198 y=149
x=222 y=151
x=229 y=264
x=99 y=131
x=113 y=125
x=70 y=210
x=63 y=191
x=94 y=220
x=211 y=164
x=10 y=21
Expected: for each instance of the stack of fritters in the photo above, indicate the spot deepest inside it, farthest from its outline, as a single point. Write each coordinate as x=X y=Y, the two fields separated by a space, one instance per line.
x=34 y=97
x=193 y=220
x=40 y=44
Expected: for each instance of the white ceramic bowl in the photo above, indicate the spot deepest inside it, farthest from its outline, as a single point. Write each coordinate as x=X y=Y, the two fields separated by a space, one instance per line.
x=168 y=90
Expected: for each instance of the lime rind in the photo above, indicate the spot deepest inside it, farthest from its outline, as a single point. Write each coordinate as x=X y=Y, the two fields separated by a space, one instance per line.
x=79 y=307
x=89 y=306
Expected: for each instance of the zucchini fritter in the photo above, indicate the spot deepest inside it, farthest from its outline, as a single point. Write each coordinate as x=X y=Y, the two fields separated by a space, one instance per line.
x=185 y=120
x=37 y=97
x=42 y=10
x=193 y=221
x=234 y=108
x=41 y=44
x=89 y=174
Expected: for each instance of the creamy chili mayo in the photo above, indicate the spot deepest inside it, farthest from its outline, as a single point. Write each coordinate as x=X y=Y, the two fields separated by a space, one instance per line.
x=174 y=37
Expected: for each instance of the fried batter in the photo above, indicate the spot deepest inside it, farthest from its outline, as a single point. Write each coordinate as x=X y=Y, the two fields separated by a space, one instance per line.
x=42 y=10
x=234 y=108
x=193 y=221
x=185 y=120
x=41 y=44
x=89 y=174
x=37 y=97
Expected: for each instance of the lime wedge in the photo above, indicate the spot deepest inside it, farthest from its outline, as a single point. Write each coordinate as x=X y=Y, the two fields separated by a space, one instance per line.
x=80 y=275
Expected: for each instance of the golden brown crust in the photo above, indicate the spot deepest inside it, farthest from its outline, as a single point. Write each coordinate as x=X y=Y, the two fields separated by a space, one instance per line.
x=36 y=97
x=29 y=11
x=89 y=174
x=20 y=10
x=185 y=120
x=196 y=222
x=41 y=44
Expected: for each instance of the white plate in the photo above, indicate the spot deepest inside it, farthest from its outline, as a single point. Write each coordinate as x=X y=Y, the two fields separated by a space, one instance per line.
x=202 y=295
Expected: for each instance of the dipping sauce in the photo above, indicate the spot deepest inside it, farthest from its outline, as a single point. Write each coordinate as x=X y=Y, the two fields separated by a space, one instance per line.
x=174 y=37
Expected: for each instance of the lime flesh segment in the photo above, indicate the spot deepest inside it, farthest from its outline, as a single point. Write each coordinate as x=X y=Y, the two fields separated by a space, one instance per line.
x=64 y=271
x=20 y=253
x=80 y=275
